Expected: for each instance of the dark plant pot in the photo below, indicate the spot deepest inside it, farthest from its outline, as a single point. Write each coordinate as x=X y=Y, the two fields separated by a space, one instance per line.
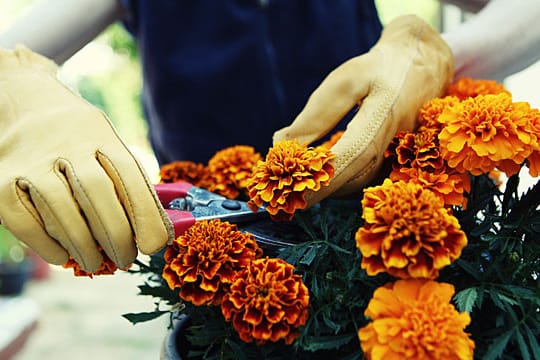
x=13 y=277
x=175 y=344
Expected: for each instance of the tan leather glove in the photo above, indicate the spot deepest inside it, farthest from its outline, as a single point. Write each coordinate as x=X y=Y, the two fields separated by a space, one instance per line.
x=409 y=65
x=68 y=184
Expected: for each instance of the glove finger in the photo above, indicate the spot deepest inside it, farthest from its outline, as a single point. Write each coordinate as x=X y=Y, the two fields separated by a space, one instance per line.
x=20 y=217
x=359 y=151
x=151 y=225
x=96 y=196
x=52 y=214
x=338 y=93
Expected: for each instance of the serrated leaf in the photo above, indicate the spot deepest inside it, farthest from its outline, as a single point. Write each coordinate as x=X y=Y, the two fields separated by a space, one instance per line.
x=135 y=318
x=316 y=343
x=498 y=345
x=466 y=299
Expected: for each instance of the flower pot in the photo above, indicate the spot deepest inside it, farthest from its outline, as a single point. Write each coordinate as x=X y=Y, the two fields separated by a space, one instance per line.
x=13 y=277
x=175 y=344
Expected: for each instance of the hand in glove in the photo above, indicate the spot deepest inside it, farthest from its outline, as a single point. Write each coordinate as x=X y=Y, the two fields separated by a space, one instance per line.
x=69 y=185
x=409 y=65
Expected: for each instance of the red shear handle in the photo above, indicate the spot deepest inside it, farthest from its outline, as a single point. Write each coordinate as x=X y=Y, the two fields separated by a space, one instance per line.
x=181 y=220
x=167 y=192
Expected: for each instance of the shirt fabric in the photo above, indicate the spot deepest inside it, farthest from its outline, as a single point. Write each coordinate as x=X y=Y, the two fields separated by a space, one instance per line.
x=219 y=73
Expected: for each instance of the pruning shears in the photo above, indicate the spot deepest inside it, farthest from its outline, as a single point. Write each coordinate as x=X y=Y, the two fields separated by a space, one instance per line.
x=185 y=204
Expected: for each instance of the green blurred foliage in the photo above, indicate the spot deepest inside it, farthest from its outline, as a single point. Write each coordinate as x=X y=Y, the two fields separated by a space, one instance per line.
x=117 y=91
x=426 y=9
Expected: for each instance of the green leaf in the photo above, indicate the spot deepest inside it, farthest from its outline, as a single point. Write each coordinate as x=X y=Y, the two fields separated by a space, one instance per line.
x=469 y=268
x=533 y=341
x=522 y=346
x=308 y=257
x=498 y=345
x=238 y=352
x=135 y=318
x=466 y=299
x=315 y=343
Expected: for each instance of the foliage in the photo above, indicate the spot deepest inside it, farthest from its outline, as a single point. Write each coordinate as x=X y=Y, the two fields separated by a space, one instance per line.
x=496 y=281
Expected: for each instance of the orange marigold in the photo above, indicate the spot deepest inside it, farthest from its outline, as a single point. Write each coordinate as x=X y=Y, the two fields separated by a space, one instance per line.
x=486 y=132
x=414 y=319
x=407 y=232
x=203 y=261
x=467 y=87
x=289 y=170
x=267 y=302
x=429 y=113
x=416 y=157
x=107 y=267
x=533 y=160
x=189 y=171
x=448 y=184
x=229 y=170
x=419 y=150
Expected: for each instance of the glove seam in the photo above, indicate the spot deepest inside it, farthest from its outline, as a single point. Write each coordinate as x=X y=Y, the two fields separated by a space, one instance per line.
x=40 y=221
x=89 y=200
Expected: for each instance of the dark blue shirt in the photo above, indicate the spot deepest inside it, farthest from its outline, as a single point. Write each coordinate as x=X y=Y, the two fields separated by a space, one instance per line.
x=219 y=73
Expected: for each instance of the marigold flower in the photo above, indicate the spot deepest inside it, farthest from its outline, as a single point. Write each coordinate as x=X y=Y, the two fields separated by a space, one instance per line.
x=467 y=87
x=267 y=302
x=533 y=160
x=189 y=171
x=486 y=132
x=448 y=184
x=203 y=261
x=416 y=150
x=229 y=170
x=416 y=157
x=289 y=170
x=429 y=113
x=333 y=139
x=414 y=319
x=107 y=267
x=407 y=232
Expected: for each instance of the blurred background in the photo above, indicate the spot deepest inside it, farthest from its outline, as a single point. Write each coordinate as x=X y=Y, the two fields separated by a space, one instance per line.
x=80 y=318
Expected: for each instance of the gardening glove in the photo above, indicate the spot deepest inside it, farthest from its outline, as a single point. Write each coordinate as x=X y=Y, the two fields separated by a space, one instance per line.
x=69 y=186
x=409 y=65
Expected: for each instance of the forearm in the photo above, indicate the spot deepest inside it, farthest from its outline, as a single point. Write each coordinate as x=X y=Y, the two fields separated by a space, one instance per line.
x=503 y=38
x=467 y=5
x=57 y=29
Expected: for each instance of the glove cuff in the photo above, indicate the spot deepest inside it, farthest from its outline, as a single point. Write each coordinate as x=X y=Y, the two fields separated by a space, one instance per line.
x=23 y=58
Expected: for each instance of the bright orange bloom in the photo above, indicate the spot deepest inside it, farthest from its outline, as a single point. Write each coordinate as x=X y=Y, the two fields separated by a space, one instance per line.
x=267 y=302
x=229 y=170
x=416 y=150
x=203 y=261
x=189 y=171
x=108 y=267
x=416 y=157
x=451 y=186
x=429 y=113
x=289 y=170
x=414 y=319
x=467 y=88
x=533 y=160
x=486 y=132
x=333 y=139
x=407 y=232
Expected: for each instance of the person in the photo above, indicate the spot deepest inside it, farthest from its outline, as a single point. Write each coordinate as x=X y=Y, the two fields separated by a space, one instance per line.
x=217 y=74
